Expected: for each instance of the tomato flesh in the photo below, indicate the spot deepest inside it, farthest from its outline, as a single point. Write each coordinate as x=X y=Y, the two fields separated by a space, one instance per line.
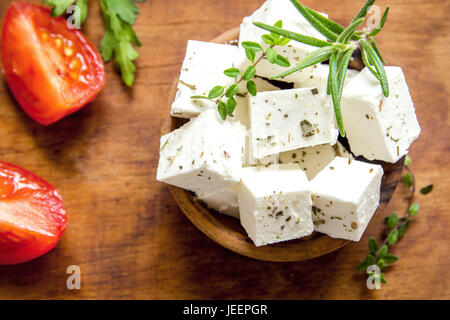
x=32 y=216
x=51 y=70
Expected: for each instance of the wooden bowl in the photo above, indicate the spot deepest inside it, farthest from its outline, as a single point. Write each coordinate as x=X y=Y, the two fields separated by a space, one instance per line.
x=228 y=232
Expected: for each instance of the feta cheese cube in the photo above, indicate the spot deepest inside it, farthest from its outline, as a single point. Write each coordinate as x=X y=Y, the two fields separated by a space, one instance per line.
x=251 y=161
x=223 y=201
x=345 y=196
x=290 y=119
x=242 y=114
x=378 y=127
x=203 y=155
x=313 y=159
x=202 y=69
x=275 y=203
x=271 y=12
x=319 y=77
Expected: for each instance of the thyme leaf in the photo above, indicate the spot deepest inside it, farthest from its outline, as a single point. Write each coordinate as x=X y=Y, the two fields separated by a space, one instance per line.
x=379 y=253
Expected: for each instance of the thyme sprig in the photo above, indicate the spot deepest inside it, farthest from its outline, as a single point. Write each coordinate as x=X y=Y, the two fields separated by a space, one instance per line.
x=339 y=48
x=224 y=96
x=396 y=227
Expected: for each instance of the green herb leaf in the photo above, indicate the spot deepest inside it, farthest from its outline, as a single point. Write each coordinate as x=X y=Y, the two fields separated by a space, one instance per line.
x=382 y=252
x=126 y=10
x=216 y=92
x=329 y=34
x=200 y=97
x=335 y=92
x=378 y=64
x=370 y=259
x=222 y=108
x=249 y=73
x=278 y=24
x=414 y=209
x=232 y=72
x=231 y=105
x=107 y=45
x=375 y=47
x=367 y=63
x=408 y=180
x=313 y=58
x=342 y=69
x=250 y=55
x=59 y=6
x=253 y=46
x=363 y=266
x=294 y=36
x=402 y=229
x=381 y=24
x=82 y=5
x=267 y=38
x=282 y=41
x=390 y=258
x=382 y=278
x=392 y=220
x=271 y=55
x=329 y=84
x=251 y=87
x=282 y=61
x=330 y=24
x=232 y=90
x=373 y=246
x=381 y=264
x=125 y=55
x=120 y=37
x=363 y=12
x=392 y=237
x=426 y=190
x=346 y=35
x=407 y=161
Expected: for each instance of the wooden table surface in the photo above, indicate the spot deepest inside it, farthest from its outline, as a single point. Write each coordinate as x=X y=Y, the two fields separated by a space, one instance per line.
x=128 y=236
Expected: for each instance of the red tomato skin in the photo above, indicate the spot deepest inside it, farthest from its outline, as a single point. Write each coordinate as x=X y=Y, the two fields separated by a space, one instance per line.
x=33 y=91
x=20 y=188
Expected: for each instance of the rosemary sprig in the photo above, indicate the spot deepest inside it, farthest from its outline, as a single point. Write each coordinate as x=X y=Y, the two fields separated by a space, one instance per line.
x=219 y=93
x=342 y=42
x=396 y=227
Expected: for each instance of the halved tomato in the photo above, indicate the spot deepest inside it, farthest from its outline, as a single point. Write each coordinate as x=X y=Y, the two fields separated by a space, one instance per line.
x=52 y=70
x=32 y=216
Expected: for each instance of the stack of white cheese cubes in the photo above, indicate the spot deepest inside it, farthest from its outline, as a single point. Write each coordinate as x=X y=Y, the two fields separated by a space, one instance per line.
x=276 y=164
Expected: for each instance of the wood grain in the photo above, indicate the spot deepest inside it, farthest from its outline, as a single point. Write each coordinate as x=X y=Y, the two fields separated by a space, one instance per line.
x=128 y=235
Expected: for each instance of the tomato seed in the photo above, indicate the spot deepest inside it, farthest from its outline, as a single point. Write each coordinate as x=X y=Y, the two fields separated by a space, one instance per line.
x=69 y=52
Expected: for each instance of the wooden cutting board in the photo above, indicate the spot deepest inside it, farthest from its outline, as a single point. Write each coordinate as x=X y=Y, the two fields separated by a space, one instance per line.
x=127 y=234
